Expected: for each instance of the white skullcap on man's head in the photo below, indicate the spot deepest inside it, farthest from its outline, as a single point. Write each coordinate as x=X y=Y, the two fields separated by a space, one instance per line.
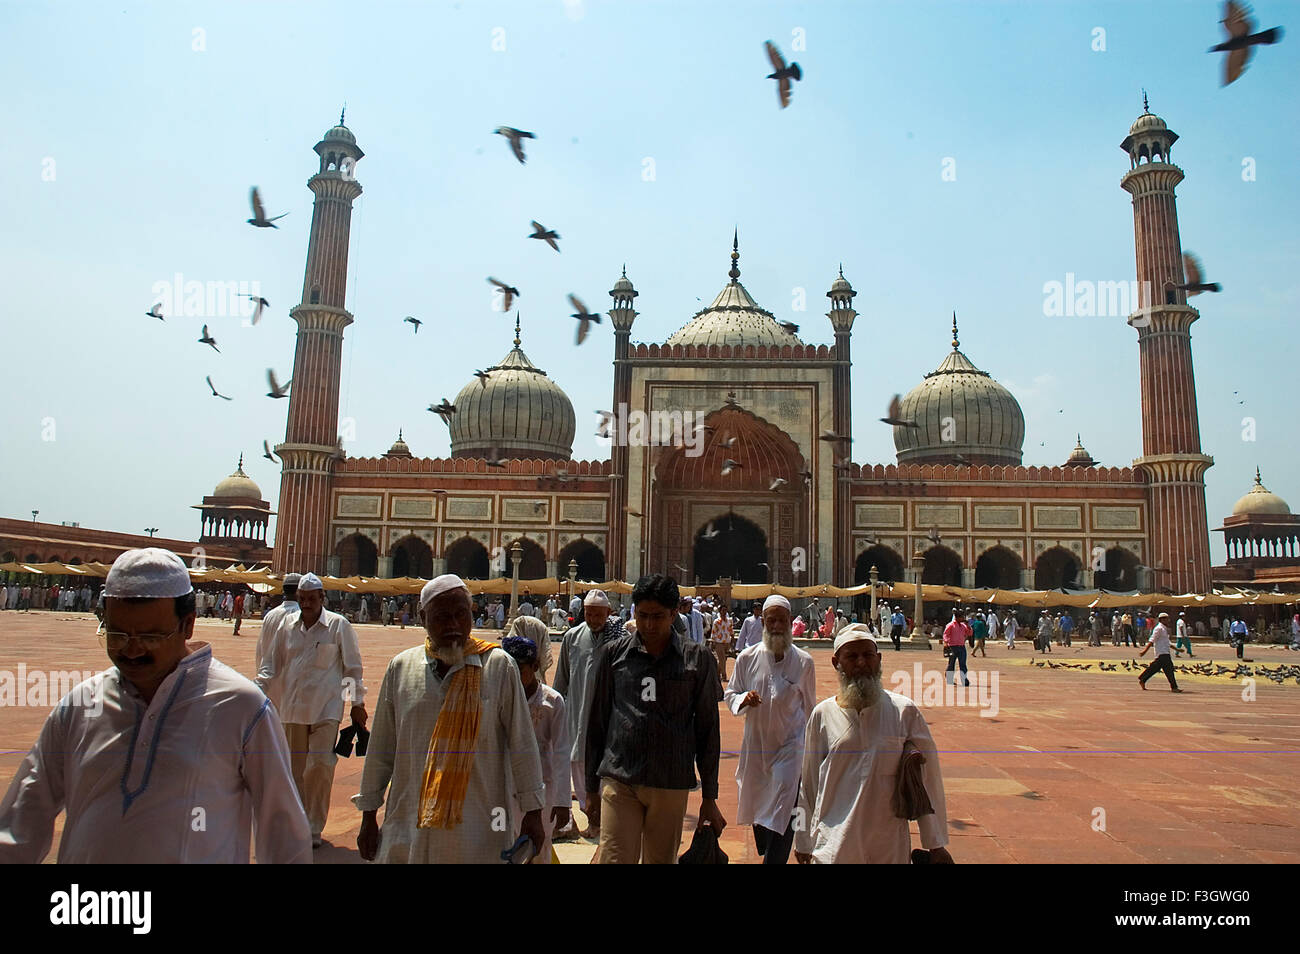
x=150 y=572
x=439 y=585
x=853 y=632
x=309 y=581
x=776 y=599
x=596 y=598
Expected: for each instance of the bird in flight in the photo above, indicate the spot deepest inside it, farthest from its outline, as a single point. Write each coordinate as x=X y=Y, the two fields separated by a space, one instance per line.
x=961 y=459
x=261 y=303
x=259 y=219
x=1241 y=43
x=709 y=532
x=631 y=512
x=777 y=483
x=208 y=340
x=482 y=377
x=444 y=410
x=548 y=236
x=277 y=391
x=933 y=535
x=807 y=476
x=783 y=73
x=729 y=465
x=516 y=137
x=539 y=506
x=215 y=392
x=156 y=311
x=1195 y=285
x=680 y=569
x=494 y=458
x=895 y=414
x=509 y=291
x=584 y=317
x=729 y=443
x=414 y=321
x=832 y=436
x=266 y=451
x=789 y=326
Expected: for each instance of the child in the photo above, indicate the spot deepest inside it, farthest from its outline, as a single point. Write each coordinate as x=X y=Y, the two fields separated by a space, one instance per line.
x=546 y=706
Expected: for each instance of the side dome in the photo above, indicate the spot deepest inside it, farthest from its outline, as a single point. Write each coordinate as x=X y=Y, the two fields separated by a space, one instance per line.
x=980 y=419
x=516 y=411
x=734 y=318
x=1260 y=500
x=238 y=484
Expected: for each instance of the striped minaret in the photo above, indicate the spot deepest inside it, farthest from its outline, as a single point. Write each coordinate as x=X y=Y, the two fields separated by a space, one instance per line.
x=622 y=315
x=311 y=436
x=1171 y=434
x=842 y=316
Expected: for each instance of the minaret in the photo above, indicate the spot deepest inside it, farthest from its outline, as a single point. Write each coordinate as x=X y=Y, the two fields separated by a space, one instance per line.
x=1171 y=435
x=842 y=316
x=310 y=442
x=622 y=315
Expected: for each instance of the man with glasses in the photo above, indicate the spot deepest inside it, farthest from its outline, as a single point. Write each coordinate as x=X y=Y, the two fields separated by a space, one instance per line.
x=315 y=654
x=165 y=758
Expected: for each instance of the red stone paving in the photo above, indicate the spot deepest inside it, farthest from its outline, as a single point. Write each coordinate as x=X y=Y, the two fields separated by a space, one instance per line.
x=1200 y=777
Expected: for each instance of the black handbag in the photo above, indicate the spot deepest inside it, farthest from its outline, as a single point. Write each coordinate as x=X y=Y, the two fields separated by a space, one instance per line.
x=344 y=746
x=704 y=849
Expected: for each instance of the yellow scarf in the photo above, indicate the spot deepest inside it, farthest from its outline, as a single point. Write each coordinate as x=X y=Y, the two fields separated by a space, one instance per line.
x=451 y=747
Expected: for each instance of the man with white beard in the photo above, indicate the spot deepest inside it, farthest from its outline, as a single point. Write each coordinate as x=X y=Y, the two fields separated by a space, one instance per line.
x=775 y=688
x=853 y=750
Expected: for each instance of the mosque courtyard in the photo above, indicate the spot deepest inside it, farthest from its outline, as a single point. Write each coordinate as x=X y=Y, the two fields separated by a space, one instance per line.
x=1039 y=764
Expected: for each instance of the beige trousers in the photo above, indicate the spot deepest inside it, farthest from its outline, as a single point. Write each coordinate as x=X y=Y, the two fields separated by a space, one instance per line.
x=312 y=759
x=640 y=823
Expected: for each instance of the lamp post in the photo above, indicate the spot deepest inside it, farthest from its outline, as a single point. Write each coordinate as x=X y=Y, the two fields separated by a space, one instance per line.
x=573 y=576
x=875 y=575
x=34 y=513
x=151 y=531
x=917 y=635
x=516 y=553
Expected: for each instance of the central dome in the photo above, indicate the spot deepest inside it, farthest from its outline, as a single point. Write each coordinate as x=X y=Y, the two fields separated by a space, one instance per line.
x=960 y=410
x=516 y=410
x=1259 y=499
x=734 y=318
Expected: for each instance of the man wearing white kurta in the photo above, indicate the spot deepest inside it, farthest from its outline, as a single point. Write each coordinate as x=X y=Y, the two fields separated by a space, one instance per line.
x=315 y=654
x=886 y=617
x=272 y=620
x=574 y=679
x=505 y=767
x=774 y=688
x=751 y=631
x=852 y=750
x=169 y=757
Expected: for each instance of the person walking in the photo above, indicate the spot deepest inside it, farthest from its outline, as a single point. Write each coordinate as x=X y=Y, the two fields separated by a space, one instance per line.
x=955 y=635
x=1240 y=632
x=1067 y=628
x=979 y=630
x=1011 y=626
x=1160 y=640
x=1044 y=642
x=897 y=623
x=1184 y=638
x=237 y=611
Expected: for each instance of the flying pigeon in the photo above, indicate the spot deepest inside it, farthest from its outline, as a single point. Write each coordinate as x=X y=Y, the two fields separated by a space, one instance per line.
x=482 y=377
x=259 y=219
x=729 y=443
x=414 y=321
x=783 y=73
x=777 y=483
x=215 y=393
x=276 y=390
x=807 y=476
x=1241 y=42
x=1194 y=285
x=266 y=451
x=548 y=236
x=709 y=533
x=895 y=414
x=539 y=506
x=156 y=311
x=832 y=436
x=631 y=512
x=584 y=317
x=509 y=291
x=789 y=326
x=516 y=137
x=261 y=303
x=444 y=410
x=680 y=569
x=933 y=535
x=729 y=465
x=208 y=340
x=961 y=459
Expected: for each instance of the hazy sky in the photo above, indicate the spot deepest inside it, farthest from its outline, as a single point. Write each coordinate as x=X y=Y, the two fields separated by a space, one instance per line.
x=133 y=136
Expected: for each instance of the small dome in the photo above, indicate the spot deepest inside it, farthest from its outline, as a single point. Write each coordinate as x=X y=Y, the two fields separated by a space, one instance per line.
x=1145 y=123
x=623 y=284
x=238 y=484
x=340 y=132
x=399 y=448
x=517 y=409
x=1260 y=500
x=1079 y=457
x=960 y=410
x=841 y=284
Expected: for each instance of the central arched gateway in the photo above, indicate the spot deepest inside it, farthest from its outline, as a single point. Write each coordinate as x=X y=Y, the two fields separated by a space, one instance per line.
x=757 y=522
x=733 y=547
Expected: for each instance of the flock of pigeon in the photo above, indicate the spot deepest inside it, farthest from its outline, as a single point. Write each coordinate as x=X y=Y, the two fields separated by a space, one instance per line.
x=1278 y=674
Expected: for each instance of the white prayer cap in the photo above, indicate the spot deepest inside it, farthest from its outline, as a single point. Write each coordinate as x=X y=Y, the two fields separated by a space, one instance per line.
x=439 y=585
x=596 y=598
x=309 y=581
x=776 y=599
x=853 y=632
x=151 y=572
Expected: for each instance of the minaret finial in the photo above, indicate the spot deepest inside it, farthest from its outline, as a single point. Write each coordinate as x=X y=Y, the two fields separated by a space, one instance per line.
x=1145 y=107
x=516 y=329
x=399 y=433
x=1257 y=474
x=955 y=343
x=343 y=112
x=625 y=269
x=735 y=255
x=241 y=463
x=841 y=269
